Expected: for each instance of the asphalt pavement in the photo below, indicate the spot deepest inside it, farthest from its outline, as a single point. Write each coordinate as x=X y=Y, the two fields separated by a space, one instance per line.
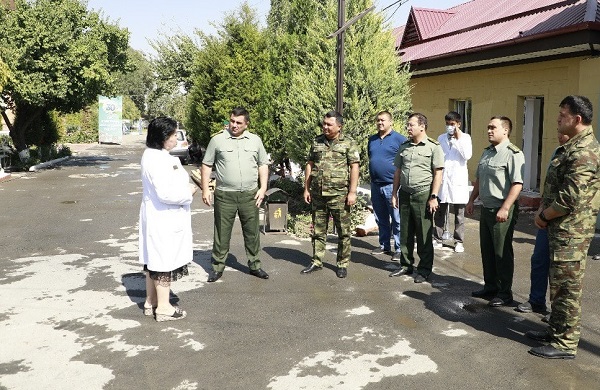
x=71 y=292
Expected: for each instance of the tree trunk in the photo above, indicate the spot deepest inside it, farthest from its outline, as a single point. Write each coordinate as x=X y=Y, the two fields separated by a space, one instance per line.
x=25 y=115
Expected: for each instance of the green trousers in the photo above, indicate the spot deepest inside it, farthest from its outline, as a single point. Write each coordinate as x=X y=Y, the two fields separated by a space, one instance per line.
x=497 y=256
x=416 y=220
x=227 y=205
x=322 y=208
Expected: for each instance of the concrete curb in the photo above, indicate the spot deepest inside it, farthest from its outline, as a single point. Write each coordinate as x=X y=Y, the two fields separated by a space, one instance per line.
x=47 y=164
x=4 y=176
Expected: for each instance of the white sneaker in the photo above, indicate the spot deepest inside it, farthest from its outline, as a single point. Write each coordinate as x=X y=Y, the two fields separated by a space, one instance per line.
x=459 y=247
x=437 y=244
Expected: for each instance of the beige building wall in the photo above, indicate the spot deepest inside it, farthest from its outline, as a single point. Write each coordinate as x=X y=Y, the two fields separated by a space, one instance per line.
x=502 y=91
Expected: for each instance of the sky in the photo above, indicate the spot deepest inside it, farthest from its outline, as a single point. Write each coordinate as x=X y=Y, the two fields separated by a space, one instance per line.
x=153 y=19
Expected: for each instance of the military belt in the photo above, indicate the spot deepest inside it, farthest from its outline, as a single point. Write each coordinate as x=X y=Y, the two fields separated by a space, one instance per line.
x=415 y=190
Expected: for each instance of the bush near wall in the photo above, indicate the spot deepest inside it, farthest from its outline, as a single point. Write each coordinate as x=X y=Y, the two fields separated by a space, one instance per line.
x=299 y=221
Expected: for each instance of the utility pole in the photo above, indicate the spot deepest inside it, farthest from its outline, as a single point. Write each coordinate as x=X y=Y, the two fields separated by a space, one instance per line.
x=342 y=27
x=339 y=80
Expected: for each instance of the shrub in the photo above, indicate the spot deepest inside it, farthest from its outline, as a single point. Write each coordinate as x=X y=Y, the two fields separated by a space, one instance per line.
x=40 y=154
x=299 y=221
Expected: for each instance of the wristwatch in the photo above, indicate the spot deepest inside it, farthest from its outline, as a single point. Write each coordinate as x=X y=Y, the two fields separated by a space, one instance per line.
x=433 y=196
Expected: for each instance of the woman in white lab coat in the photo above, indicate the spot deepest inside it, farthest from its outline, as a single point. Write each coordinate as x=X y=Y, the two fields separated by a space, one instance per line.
x=165 y=239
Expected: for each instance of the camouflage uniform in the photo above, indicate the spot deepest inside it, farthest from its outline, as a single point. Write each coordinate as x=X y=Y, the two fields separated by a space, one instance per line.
x=572 y=186
x=330 y=179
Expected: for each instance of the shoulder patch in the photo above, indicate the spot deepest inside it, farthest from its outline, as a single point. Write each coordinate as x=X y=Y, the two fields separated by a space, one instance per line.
x=513 y=148
x=434 y=141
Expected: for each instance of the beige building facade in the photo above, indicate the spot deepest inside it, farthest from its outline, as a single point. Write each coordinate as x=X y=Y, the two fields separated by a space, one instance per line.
x=529 y=94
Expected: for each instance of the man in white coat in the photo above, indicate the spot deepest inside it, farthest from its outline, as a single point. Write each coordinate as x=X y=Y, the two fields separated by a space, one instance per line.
x=454 y=192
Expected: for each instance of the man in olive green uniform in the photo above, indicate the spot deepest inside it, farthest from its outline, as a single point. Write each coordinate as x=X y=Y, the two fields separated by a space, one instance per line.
x=498 y=185
x=569 y=208
x=240 y=162
x=330 y=187
x=419 y=166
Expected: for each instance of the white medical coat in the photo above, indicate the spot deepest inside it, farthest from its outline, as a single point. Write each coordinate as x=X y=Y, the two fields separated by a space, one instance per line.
x=455 y=178
x=165 y=227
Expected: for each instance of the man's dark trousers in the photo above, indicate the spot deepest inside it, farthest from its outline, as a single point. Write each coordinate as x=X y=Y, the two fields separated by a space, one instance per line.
x=497 y=253
x=227 y=205
x=415 y=219
x=540 y=268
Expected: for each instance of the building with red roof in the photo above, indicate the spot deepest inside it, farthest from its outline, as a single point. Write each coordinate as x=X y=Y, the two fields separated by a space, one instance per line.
x=504 y=57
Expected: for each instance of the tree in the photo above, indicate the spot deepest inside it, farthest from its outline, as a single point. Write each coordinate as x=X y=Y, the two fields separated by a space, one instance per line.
x=137 y=81
x=61 y=57
x=227 y=73
x=4 y=74
x=173 y=69
x=374 y=77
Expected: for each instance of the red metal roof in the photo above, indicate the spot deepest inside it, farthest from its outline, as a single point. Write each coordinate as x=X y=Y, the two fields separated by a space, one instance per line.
x=430 y=20
x=480 y=23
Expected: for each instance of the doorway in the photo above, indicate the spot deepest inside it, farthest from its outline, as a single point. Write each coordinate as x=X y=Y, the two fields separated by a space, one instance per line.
x=533 y=119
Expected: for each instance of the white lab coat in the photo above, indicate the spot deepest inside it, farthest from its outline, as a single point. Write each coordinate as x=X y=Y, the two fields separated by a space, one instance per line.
x=165 y=228
x=455 y=178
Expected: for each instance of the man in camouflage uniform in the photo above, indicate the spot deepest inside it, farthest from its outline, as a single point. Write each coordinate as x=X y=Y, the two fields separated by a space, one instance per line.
x=570 y=205
x=330 y=187
x=498 y=185
x=419 y=166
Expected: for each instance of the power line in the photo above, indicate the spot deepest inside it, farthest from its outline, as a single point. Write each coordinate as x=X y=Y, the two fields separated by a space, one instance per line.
x=400 y=3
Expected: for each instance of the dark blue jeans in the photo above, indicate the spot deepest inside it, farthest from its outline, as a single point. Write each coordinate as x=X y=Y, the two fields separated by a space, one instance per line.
x=387 y=217
x=540 y=267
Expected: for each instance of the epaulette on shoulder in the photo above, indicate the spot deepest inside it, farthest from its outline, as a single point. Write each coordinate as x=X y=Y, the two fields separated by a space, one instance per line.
x=435 y=141
x=217 y=133
x=514 y=148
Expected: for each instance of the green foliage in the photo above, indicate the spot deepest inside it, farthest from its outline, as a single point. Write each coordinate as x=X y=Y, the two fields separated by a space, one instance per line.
x=285 y=75
x=40 y=154
x=373 y=77
x=136 y=82
x=227 y=74
x=299 y=221
x=130 y=109
x=295 y=191
x=174 y=64
x=4 y=74
x=41 y=127
x=82 y=126
x=300 y=225
x=61 y=57
x=174 y=74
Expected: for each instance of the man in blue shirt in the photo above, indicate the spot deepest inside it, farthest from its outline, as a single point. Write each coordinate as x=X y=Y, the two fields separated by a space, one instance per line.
x=382 y=149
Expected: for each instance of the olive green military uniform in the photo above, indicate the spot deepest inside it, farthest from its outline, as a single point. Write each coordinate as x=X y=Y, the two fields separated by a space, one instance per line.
x=573 y=187
x=417 y=164
x=330 y=179
x=499 y=168
x=236 y=161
